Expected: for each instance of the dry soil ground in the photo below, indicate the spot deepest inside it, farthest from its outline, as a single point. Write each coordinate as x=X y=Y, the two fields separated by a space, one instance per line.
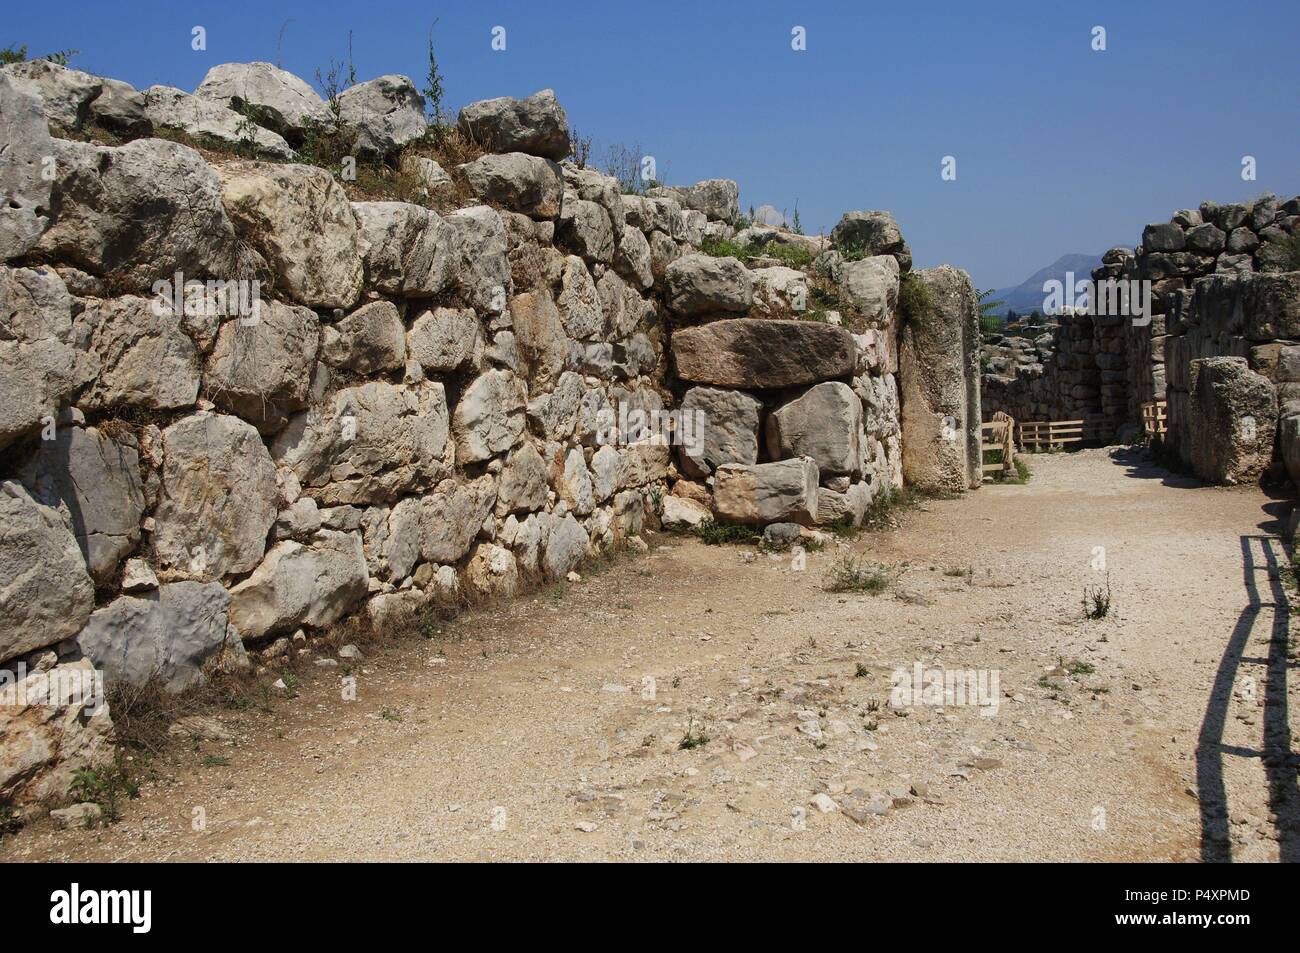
x=527 y=732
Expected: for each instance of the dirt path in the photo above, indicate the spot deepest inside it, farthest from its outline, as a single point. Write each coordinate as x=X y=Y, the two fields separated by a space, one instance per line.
x=522 y=732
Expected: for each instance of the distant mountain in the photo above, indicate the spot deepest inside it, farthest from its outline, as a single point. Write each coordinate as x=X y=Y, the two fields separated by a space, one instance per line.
x=1028 y=295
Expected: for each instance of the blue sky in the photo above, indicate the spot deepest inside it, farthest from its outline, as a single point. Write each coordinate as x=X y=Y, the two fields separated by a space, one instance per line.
x=1059 y=148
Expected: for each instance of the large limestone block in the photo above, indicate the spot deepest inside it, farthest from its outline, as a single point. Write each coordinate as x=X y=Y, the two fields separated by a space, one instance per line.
x=536 y=125
x=451 y=517
x=492 y=572
x=261 y=370
x=275 y=99
x=719 y=199
x=518 y=182
x=579 y=301
x=701 y=284
x=872 y=284
x=566 y=547
x=781 y=492
x=136 y=356
x=369 y=444
x=724 y=427
x=210 y=122
x=446 y=339
x=482 y=265
x=24 y=191
x=167 y=633
x=539 y=330
x=370 y=340
x=301 y=585
x=299 y=219
x=490 y=416
x=385 y=113
x=825 y=423
x=45 y=593
x=586 y=229
x=1233 y=420
x=754 y=353
x=38 y=363
x=408 y=250
x=939 y=386
x=876 y=232
x=139 y=213
x=523 y=484
x=94 y=482
x=217 y=500
x=52 y=725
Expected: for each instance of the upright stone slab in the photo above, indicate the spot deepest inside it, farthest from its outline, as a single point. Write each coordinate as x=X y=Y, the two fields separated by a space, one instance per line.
x=1233 y=421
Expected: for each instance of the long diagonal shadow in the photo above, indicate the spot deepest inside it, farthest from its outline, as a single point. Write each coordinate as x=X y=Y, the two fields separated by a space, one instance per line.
x=1275 y=752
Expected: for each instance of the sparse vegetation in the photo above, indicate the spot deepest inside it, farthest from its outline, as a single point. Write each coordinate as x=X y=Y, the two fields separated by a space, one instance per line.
x=10 y=823
x=18 y=54
x=1096 y=600
x=792 y=256
x=857 y=574
x=1290 y=252
x=861 y=671
x=106 y=787
x=214 y=761
x=694 y=737
x=716 y=534
x=915 y=302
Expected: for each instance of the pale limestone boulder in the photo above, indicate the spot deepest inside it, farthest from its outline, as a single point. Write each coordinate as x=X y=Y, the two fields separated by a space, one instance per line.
x=385 y=113
x=872 y=284
x=781 y=492
x=566 y=547
x=301 y=585
x=276 y=99
x=209 y=122
x=166 y=634
x=579 y=302
x=523 y=485
x=608 y=473
x=139 y=213
x=46 y=594
x=536 y=125
x=65 y=95
x=432 y=180
x=39 y=366
x=555 y=415
x=217 y=499
x=718 y=199
x=759 y=353
x=452 y=516
x=490 y=416
x=1233 y=421
x=632 y=257
x=370 y=443
x=136 y=356
x=446 y=340
x=492 y=572
x=52 y=726
x=482 y=266
x=94 y=482
x=700 y=284
x=780 y=291
x=876 y=233
x=408 y=250
x=299 y=219
x=586 y=229
x=261 y=370
x=573 y=483
x=824 y=423
x=370 y=340
x=729 y=430
x=25 y=209
x=680 y=513
x=540 y=335
x=521 y=183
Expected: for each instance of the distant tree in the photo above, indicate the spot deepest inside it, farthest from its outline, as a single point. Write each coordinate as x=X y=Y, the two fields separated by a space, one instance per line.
x=990 y=323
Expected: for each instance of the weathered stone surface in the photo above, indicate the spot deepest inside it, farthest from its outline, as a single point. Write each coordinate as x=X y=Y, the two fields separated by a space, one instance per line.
x=539 y=331
x=780 y=291
x=217 y=500
x=566 y=547
x=168 y=634
x=719 y=199
x=299 y=218
x=555 y=415
x=135 y=356
x=872 y=284
x=432 y=179
x=209 y=122
x=1233 y=421
x=729 y=431
x=757 y=353
x=370 y=340
x=38 y=364
x=608 y=473
x=701 y=284
x=25 y=209
x=876 y=232
x=579 y=303
x=386 y=113
x=482 y=265
x=276 y=99
x=632 y=257
x=519 y=182
x=446 y=340
x=523 y=483
x=369 y=444
x=825 y=424
x=94 y=483
x=781 y=492
x=64 y=94
x=680 y=513
x=490 y=416
x=847 y=507
x=301 y=585
x=939 y=384
x=1164 y=236
x=573 y=483
x=45 y=592
x=408 y=250
x=492 y=572
x=585 y=228
x=120 y=107
x=536 y=125
x=139 y=213
x=261 y=370
x=52 y=725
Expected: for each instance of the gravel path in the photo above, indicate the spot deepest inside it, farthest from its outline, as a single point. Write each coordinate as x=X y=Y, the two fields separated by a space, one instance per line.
x=527 y=732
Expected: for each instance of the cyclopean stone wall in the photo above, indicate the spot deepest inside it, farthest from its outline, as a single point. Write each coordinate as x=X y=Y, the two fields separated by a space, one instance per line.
x=424 y=401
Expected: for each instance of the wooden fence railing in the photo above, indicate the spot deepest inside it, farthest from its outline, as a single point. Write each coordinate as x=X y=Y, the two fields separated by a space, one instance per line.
x=1155 y=418
x=1049 y=433
x=998 y=436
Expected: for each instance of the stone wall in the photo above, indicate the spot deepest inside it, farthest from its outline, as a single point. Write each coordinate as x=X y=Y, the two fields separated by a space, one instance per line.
x=245 y=400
